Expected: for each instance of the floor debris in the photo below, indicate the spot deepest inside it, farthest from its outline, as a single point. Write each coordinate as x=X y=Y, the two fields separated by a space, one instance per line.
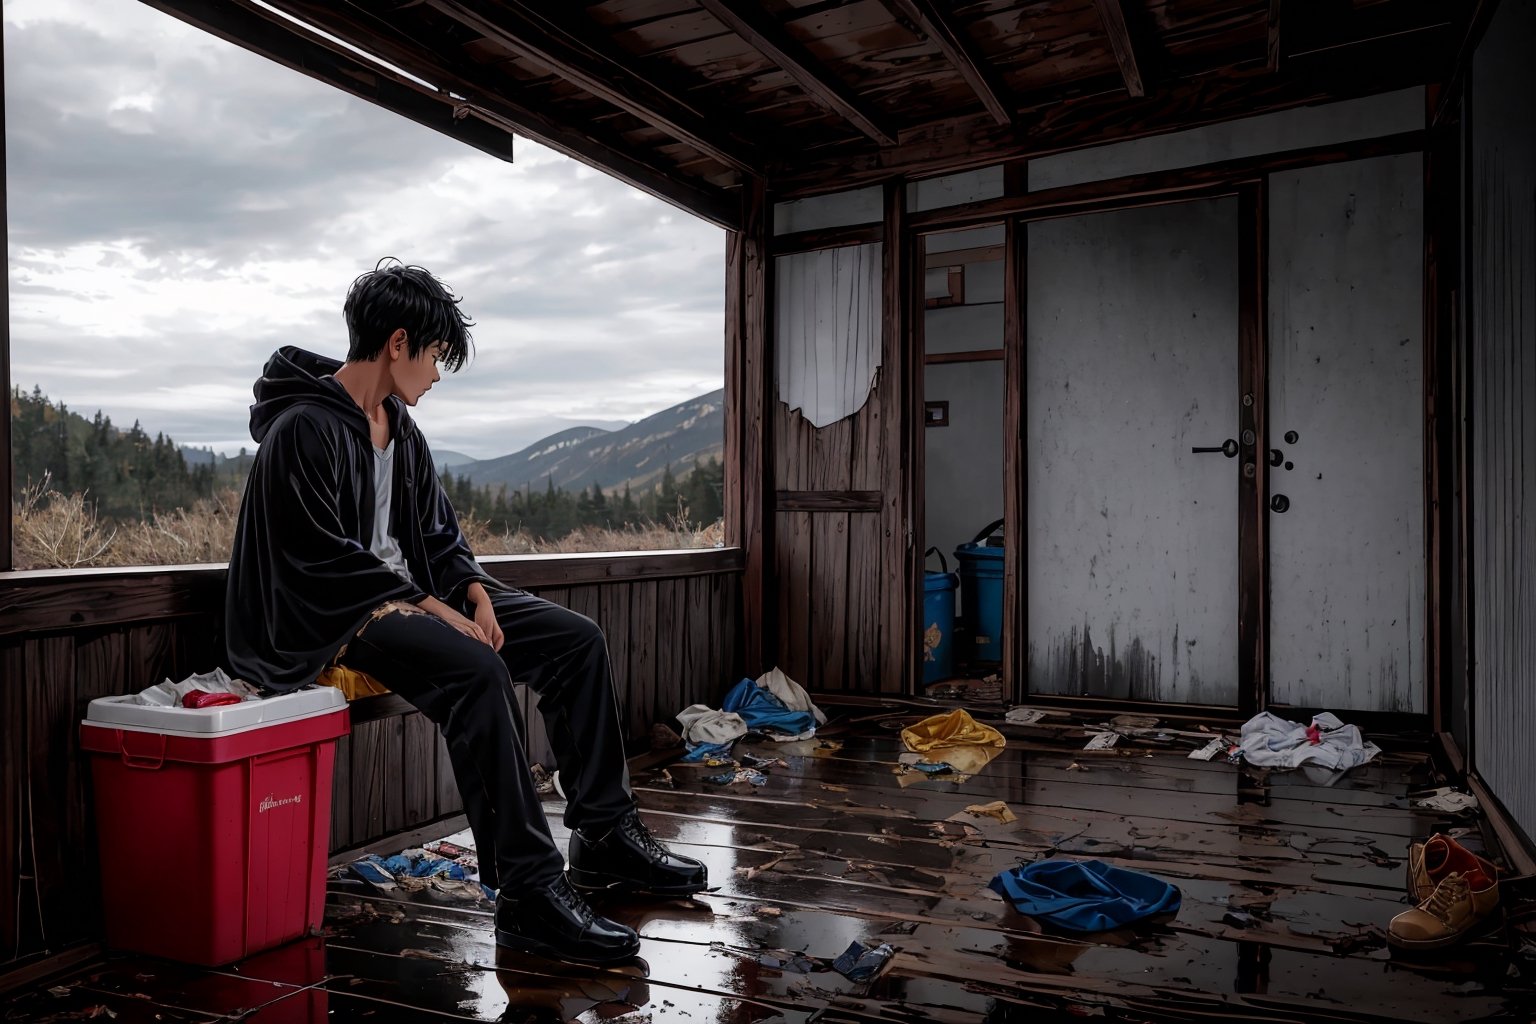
x=996 y=809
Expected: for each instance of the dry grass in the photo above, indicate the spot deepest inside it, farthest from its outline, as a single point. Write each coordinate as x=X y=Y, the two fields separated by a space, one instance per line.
x=63 y=531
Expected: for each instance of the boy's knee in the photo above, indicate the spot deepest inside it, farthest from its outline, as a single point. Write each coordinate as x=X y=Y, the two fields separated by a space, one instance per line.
x=582 y=631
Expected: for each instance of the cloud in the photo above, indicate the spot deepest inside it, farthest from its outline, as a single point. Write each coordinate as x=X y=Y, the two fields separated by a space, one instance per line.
x=179 y=207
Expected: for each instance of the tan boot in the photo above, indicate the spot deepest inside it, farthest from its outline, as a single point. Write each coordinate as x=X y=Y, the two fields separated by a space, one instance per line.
x=1456 y=907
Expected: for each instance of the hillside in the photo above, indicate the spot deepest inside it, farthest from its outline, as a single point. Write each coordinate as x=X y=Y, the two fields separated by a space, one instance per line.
x=637 y=454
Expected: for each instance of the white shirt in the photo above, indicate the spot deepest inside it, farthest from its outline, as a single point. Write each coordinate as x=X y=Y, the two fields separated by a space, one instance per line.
x=384 y=544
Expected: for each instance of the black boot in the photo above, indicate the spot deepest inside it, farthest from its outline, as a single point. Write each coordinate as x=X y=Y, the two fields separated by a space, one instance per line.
x=629 y=858
x=555 y=921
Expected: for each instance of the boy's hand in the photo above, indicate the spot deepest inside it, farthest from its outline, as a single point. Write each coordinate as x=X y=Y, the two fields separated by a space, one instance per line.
x=454 y=619
x=485 y=617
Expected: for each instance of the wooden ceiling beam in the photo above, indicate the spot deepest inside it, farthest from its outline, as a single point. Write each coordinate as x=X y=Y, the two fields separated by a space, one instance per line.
x=753 y=24
x=1272 y=54
x=1112 y=14
x=484 y=116
x=523 y=30
x=973 y=67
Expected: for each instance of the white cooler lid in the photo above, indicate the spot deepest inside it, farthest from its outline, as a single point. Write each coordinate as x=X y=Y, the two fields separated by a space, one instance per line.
x=207 y=723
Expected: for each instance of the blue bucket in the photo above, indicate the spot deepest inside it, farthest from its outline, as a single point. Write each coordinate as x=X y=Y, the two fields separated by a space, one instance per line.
x=981 y=593
x=938 y=621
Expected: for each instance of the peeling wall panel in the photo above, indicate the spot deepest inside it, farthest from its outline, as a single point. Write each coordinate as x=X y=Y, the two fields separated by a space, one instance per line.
x=1347 y=559
x=1501 y=302
x=1131 y=360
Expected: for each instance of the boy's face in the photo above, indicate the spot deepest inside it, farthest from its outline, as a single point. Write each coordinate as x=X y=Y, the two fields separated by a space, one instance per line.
x=415 y=375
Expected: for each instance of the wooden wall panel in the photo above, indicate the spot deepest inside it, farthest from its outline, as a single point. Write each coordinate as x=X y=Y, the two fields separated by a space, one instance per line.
x=676 y=640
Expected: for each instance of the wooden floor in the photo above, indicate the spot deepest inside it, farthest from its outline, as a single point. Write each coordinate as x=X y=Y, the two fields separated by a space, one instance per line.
x=1288 y=883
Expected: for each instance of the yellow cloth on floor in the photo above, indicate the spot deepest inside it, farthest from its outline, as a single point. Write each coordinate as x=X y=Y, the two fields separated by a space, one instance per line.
x=352 y=683
x=956 y=729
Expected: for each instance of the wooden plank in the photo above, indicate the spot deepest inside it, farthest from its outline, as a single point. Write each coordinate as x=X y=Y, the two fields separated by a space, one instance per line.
x=828 y=501
x=614 y=617
x=526 y=571
x=678 y=663
x=55 y=828
x=1015 y=461
x=370 y=779
x=901 y=453
x=793 y=575
x=832 y=599
x=1253 y=489
x=1272 y=49
x=826 y=238
x=525 y=30
x=978 y=355
x=418 y=769
x=449 y=800
x=769 y=37
x=1113 y=15
x=1171 y=186
x=392 y=754
x=39 y=600
x=341 y=796
x=749 y=440
x=977 y=70
x=706 y=677
x=643 y=661
x=13 y=794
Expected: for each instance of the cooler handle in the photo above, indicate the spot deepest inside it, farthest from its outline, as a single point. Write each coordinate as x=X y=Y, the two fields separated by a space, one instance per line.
x=943 y=565
x=986 y=531
x=144 y=758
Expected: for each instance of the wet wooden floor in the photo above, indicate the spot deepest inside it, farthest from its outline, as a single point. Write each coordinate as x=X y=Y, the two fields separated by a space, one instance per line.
x=1288 y=884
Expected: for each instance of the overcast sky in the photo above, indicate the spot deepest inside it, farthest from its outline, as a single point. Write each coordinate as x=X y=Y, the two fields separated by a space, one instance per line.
x=179 y=208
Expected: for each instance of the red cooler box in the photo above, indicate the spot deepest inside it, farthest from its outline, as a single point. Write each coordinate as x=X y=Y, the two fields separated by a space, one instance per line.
x=213 y=824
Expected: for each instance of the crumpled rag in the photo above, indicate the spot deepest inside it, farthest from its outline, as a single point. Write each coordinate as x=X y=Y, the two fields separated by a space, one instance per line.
x=1269 y=741
x=791 y=693
x=703 y=724
x=956 y=729
x=1084 y=896
x=764 y=712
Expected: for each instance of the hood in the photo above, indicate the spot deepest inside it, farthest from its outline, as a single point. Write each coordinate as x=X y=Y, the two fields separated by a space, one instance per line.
x=295 y=377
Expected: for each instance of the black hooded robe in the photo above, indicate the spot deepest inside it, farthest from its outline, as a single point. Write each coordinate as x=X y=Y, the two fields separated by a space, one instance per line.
x=302 y=579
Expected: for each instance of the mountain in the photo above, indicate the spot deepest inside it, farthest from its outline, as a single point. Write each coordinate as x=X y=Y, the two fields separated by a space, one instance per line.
x=636 y=454
x=449 y=459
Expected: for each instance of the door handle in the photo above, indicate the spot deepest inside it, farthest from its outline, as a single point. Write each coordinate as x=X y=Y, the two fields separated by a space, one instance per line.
x=1228 y=448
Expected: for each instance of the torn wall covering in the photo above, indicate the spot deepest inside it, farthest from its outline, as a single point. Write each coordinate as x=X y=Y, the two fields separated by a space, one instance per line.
x=827 y=330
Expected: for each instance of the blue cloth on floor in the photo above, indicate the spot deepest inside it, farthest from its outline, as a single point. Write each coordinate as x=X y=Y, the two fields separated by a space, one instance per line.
x=705 y=751
x=760 y=709
x=1084 y=896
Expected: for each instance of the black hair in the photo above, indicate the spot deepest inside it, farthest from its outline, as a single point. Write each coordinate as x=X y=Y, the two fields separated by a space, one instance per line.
x=393 y=296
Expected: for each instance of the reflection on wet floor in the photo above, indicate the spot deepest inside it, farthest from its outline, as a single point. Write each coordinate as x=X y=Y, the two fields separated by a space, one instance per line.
x=1288 y=882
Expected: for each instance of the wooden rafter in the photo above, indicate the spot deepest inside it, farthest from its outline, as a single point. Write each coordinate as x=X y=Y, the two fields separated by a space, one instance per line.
x=1113 y=15
x=1272 y=61
x=973 y=67
x=748 y=19
x=524 y=31
x=490 y=96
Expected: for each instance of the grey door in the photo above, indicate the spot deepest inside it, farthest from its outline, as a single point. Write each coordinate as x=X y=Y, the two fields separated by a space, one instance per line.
x=1131 y=539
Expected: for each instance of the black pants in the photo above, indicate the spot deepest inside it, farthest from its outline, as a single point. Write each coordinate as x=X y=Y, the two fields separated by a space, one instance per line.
x=466 y=689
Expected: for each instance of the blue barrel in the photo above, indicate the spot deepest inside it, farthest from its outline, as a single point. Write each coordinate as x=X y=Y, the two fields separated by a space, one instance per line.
x=981 y=593
x=938 y=621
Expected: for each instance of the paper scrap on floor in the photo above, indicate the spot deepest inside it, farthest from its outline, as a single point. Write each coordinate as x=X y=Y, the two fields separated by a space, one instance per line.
x=996 y=809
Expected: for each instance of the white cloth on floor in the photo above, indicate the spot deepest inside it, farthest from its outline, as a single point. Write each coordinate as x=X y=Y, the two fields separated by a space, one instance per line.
x=169 y=694
x=792 y=694
x=703 y=724
x=1270 y=741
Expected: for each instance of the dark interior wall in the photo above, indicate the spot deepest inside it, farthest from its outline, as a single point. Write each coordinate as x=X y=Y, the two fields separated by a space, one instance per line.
x=1501 y=346
x=674 y=640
